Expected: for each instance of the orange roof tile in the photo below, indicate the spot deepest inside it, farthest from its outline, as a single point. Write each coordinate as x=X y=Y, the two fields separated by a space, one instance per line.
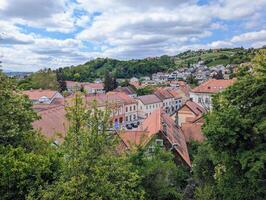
x=194 y=107
x=52 y=121
x=213 y=86
x=149 y=99
x=192 y=132
x=37 y=94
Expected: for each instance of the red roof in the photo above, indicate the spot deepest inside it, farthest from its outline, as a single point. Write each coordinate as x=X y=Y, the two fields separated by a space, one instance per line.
x=149 y=99
x=126 y=90
x=52 y=121
x=192 y=132
x=213 y=86
x=37 y=94
x=195 y=108
x=153 y=125
x=93 y=85
x=163 y=94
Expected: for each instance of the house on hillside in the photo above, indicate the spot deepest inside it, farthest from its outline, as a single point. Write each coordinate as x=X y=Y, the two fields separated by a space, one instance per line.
x=158 y=130
x=73 y=86
x=203 y=93
x=93 y=88
x=40 y=96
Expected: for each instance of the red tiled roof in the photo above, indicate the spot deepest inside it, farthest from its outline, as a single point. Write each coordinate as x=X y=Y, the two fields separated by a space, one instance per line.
x=153 y=125
x=194 y=107
x=149 y=99
x=192 y=132
x=163 y=94
x=213 y=86
x=92 y=85
x=72 y=83
x=52 y=121
x=37 y=94
x=126 y=90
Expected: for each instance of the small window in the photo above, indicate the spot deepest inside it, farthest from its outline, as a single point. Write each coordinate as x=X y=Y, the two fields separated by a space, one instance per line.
x=130 y=108
x=134 y=107
x=159 y=142
x=126 y=118
x=126 y=109
x=151 y=149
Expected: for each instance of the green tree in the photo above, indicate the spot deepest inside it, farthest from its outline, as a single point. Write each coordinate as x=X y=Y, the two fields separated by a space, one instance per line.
x=235 y=132
x=16 y=114
x=91 y=168
x=161 y=178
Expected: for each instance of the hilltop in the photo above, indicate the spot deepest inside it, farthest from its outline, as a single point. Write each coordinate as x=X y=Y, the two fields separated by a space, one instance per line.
x=145 y=67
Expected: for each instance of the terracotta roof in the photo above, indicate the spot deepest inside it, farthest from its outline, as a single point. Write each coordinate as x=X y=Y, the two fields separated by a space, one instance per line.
x=92 y=85
x=192 y=132
x=176 y=93
x=52 y=121
x=72 y=83
x=37 y=94
x=213 y=86
x=151 y=126
x=126 y=90
x=163 y=94
x=194 y=107
x=149 y=99
x=56 y=102
x=110 y=98
x=133 y=138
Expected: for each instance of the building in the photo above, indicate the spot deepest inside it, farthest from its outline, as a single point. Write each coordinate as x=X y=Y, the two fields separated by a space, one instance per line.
x=73 y=86
x=127 y=90
x=147 y=104
x=168 y=100
x=190 y=110
x=157 y=130
x=93 y=88
x=203 y=93
x=40 y=96
x=124 y=109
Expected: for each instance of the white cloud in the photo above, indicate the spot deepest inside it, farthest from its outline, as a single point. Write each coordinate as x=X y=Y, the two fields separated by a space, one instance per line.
x=250 y=37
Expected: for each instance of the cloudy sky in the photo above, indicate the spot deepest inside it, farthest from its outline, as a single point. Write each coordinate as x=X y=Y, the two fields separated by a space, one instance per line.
x=52 y=33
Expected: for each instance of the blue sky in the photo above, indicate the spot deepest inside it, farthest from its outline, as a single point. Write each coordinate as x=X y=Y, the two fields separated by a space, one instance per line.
x=55 y=33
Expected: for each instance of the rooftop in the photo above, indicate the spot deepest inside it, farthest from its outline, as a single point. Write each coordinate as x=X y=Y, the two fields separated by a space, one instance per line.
x=213 y=86
x=149 y=99
x=37 y=94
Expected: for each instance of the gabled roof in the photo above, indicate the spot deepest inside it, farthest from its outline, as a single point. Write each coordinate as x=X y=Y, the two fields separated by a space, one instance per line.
x=39 y=93
x=194 y=107
x=92 y=85
x=52 y=121
x=153 y=125
x=126 y=90
x=213 y=86
x=149 y=99
x=163 y=94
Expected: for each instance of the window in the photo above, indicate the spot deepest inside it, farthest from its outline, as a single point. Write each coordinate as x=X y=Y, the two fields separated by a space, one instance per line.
x=130 y=118
x=134 y=117
x=146 y=107
x=126 y=118
x=151 y=149
x=153 y=106
x=159 y=142
x=150 y=106
x=126 y=109
x=199 y=100
x=134 y=107
x=130 y=108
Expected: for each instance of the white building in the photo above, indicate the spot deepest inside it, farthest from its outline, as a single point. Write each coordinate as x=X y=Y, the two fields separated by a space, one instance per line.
x=147 y=104
x=203 y=93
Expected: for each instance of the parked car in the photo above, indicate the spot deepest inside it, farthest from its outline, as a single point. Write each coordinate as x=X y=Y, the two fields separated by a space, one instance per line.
x=129 y=126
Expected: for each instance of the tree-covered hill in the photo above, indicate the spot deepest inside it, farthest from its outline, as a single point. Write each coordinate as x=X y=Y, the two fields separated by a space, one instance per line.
x=145 y=67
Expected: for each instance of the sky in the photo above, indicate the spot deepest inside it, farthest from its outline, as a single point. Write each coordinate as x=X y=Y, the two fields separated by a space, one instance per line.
x=36 y=34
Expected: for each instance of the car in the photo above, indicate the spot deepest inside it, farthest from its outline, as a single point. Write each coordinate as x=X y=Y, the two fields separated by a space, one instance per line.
x=134 y=125
x=129 y=126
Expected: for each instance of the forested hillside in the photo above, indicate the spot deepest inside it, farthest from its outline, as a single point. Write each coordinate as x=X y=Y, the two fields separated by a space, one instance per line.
x=145 y=67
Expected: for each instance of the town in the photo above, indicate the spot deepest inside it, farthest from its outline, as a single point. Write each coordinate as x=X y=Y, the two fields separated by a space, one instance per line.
x=173 y=108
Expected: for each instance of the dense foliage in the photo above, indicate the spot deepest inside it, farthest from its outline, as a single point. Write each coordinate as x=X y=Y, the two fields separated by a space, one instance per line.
x=44 y=79
x=231 y=163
